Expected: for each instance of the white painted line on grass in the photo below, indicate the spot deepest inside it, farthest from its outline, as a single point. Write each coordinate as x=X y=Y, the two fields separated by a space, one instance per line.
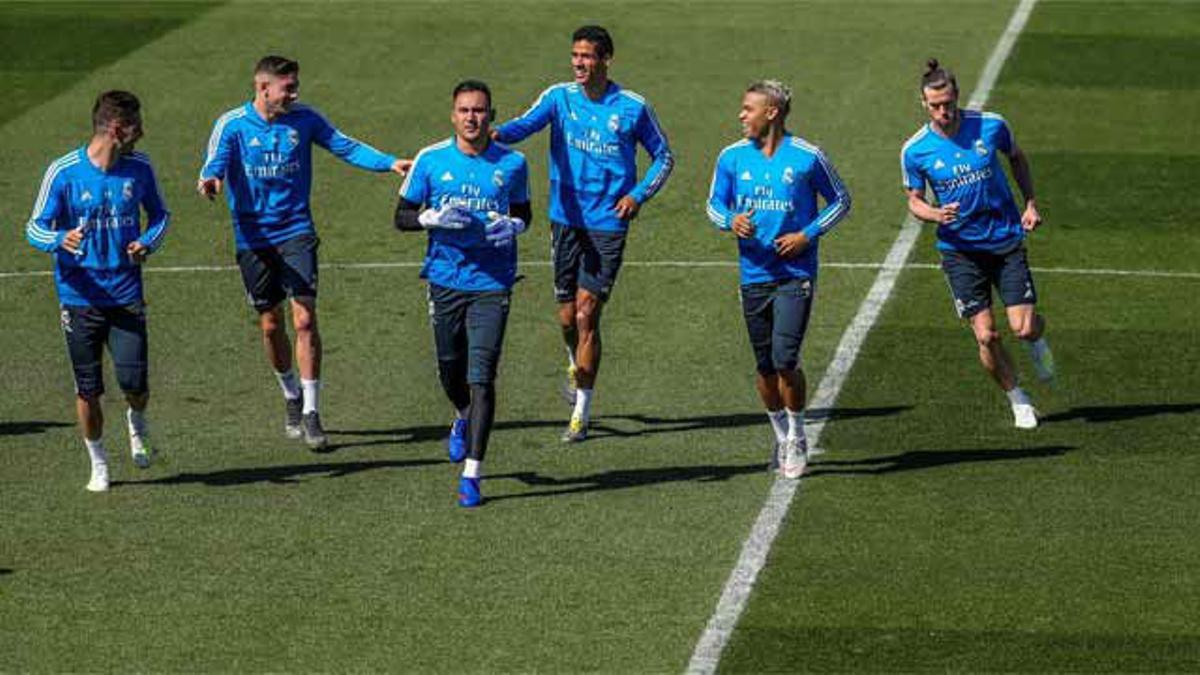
x=707 y=654
x=1167 y=274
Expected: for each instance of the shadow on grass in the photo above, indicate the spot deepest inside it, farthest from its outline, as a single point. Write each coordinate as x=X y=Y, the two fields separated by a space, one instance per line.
x=22 y=428
x=610 y=425
x=4 y=571
x=288 y=473
x=916 y=460
x=620 y=479
x=1121 y=413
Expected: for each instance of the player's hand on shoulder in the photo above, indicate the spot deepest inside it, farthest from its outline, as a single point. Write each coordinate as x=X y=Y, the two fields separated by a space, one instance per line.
x=446 y=217
x=743 y=225
x=791 y=245
x=501 y=230
x=627 y=208
x=209 y=187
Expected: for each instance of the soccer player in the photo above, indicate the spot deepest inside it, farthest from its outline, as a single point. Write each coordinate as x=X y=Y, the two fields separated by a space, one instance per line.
x=472 y=195
x=261 y=152
x=88 y=216
x=596 y=126
x=765 y=189
x=980 y=231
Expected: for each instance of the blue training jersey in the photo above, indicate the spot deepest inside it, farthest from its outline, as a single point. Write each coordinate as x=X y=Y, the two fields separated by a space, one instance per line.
x=267 y=169
x=593 y=152
x=107 y=205
x=782 y=190
x=966 y=169
x=490 y=181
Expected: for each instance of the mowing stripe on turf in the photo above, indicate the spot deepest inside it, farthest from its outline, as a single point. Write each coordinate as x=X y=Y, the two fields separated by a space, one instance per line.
x=886 y=265
x=753 y=557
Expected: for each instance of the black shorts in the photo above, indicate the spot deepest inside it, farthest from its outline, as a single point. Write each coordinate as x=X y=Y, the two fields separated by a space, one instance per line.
x=123 y=330
x=776 y=315
x=972 y=274
x=288 y=270
x=468 y=326
x=587 y=259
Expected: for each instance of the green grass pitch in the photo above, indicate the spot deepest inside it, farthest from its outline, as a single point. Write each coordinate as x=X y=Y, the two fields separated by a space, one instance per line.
x=931 y=536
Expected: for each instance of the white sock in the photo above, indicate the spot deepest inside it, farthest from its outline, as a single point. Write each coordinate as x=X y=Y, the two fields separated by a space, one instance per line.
x=1017 y=396
x=289 y=384
x=570 y=356
x=137 y=422
x=96 y=451
x=583 y=404
x=779 y=422
x=471 y=468
x=312 y=390
x=795 y=421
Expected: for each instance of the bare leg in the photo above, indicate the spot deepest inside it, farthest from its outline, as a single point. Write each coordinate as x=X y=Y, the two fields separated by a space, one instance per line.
x=275 y=339
x=308 y=338
x=91 y=416
x=992 y=354
x=587 y=354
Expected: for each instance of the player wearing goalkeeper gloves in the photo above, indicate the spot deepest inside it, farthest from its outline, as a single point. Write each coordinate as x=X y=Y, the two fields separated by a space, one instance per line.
x=261 y=154
x=472 y=196
x=765 y=189
x=595 y=128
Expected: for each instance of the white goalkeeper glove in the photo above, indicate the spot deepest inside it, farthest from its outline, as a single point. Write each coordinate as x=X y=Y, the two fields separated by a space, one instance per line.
x=500 y=230
x=449 y=217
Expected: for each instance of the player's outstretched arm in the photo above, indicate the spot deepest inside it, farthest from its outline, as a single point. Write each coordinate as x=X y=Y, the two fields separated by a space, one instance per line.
x=530 y=122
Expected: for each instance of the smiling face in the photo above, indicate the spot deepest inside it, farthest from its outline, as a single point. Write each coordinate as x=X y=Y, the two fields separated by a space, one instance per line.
x=587 y=65
x=757 y=115
x=276 y=93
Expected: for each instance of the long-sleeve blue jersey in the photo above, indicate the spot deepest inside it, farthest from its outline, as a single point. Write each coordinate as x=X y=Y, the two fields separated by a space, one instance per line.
x=267 y=169
x=966 y=169
x=493 y=180
x=782 y=190
x=593 y=152
x=106 y=206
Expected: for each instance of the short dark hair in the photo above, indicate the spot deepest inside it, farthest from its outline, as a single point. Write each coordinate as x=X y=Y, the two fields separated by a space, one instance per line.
x=277 y=66
x=472 y=85
x=597 y=36
x=936 y=77
x=116 y=105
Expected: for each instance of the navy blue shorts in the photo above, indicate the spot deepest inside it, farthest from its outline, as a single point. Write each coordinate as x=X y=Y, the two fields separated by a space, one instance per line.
x=89 y=330
x=586 y=259
x=972 y=274
x=468 y=327
x=288 y=270
x=777 y=317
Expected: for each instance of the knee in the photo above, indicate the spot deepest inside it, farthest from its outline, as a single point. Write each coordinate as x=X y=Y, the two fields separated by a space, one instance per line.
x=587 y=316
x=1030 y=329
x=270 y=323
x=987 y=338
x=137 y=399
x=304 y=321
